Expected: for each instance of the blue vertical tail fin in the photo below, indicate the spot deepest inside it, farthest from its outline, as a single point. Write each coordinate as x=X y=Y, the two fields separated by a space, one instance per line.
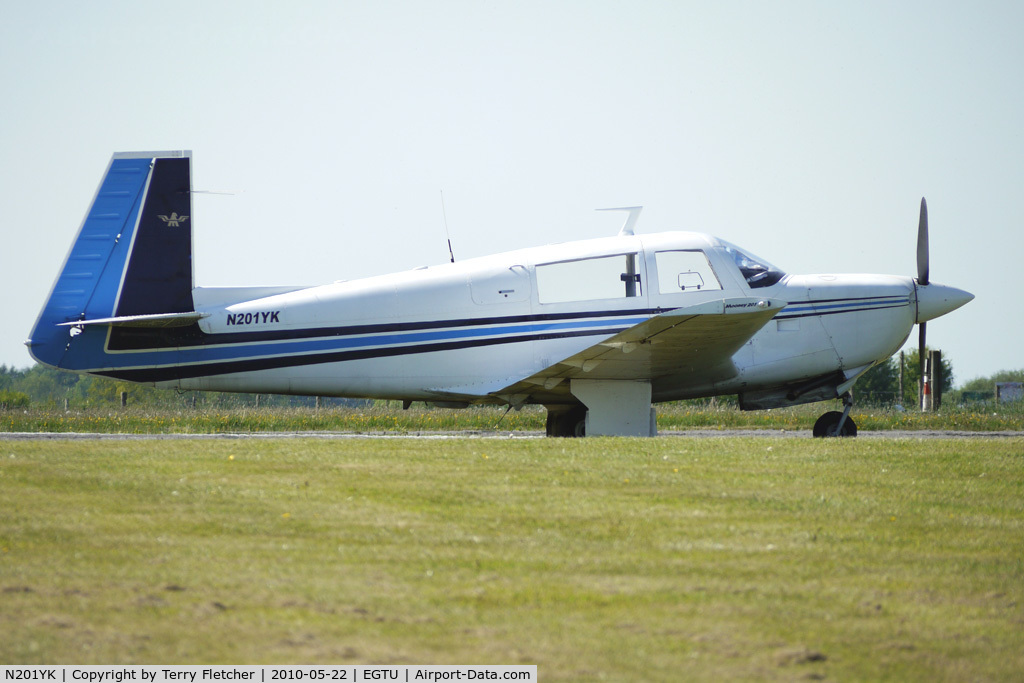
x=130 y=264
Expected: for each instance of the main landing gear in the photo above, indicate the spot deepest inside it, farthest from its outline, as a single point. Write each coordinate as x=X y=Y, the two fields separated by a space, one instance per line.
x=567 y=421
x=835 y=423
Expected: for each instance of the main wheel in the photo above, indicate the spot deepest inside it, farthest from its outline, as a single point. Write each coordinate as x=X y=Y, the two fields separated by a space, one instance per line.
x=570 y=422
x=827 y=424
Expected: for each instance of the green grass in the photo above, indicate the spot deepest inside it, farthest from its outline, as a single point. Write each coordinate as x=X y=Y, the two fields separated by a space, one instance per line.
x=390 y=418
x=598 y=559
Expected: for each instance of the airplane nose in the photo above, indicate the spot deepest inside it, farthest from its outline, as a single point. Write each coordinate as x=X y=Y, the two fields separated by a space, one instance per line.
x=934 y=300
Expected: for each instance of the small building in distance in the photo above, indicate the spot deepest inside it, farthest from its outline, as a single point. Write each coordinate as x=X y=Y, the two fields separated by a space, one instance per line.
x=1009 y=391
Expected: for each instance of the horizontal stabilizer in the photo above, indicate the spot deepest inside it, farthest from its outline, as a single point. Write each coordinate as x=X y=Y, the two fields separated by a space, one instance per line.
x=149 y=320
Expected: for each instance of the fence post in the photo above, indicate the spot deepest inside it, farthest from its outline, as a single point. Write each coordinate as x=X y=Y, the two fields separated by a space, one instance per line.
x=901 y=379
x=926 y=388
x=935 y=369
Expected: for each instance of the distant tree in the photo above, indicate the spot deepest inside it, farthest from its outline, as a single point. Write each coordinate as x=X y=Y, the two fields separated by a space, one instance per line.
x=880 y=384
x=13 y=399
x=46 y=385
x=10 y=376
x=988 y=383
x=912 y=373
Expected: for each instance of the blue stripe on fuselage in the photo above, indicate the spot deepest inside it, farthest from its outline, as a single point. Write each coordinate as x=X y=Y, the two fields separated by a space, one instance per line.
x=386 y=342
x=394 y=339
x=170 y=372
x=803 y=309
x=397 y=339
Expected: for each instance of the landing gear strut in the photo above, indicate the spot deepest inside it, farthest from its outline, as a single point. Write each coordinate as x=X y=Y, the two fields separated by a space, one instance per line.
x=835 y=423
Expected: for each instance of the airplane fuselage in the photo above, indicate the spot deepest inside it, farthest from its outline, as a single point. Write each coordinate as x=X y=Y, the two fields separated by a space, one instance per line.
x=600 y=327
x=433 y=333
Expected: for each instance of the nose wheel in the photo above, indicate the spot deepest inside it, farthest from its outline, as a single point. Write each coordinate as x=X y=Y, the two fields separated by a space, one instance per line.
x=835 y=423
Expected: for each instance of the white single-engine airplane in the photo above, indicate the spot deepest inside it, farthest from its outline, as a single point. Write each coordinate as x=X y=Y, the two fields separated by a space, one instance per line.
x=595 y=330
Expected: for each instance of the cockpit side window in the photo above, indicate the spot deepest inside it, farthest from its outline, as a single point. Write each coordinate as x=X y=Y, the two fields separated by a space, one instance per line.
x=684 y=271
x=757 y=272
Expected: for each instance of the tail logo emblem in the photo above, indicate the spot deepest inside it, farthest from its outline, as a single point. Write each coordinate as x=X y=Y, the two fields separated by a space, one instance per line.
x=174 y=220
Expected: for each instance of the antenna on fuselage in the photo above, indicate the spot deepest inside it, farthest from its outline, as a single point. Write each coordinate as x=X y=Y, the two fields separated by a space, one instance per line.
x=630 y=224
x=444 y=214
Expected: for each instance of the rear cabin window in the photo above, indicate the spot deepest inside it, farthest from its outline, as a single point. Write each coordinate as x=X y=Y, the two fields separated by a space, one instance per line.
x=607 y=277
x=684 y=271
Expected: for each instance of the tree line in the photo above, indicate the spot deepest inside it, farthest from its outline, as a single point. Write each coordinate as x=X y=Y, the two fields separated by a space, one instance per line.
x=881 y=384
x=45 y=387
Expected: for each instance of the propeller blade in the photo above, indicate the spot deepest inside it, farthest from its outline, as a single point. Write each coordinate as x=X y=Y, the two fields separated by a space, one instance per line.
x=922 y=246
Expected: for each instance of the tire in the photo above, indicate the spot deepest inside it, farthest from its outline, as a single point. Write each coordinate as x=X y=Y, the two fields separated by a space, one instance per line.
x=568 y=422
x=826 y=425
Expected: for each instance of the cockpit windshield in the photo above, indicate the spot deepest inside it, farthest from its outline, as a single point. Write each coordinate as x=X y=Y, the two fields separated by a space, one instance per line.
x=757 y=272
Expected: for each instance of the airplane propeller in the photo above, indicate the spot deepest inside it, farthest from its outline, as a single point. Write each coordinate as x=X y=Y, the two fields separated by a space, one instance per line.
x=922 y=279
x=922 y=245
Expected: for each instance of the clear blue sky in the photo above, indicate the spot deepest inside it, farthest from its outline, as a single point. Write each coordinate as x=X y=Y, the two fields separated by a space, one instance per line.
x=806 y=132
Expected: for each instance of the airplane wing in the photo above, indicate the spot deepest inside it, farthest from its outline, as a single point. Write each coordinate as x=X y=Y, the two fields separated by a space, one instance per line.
x=692 y=345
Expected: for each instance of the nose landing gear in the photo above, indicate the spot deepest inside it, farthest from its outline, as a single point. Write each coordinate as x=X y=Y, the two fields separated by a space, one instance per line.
x=835 y=423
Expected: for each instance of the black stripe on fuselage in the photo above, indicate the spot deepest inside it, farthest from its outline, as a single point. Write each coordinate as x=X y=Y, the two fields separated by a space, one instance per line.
x=817 y=314
x=165 y=373
x=141 y=339
x=192 y=336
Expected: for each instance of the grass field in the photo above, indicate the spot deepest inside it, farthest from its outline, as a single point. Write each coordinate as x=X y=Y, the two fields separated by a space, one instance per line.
x=390 y=418
x=599 y=559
